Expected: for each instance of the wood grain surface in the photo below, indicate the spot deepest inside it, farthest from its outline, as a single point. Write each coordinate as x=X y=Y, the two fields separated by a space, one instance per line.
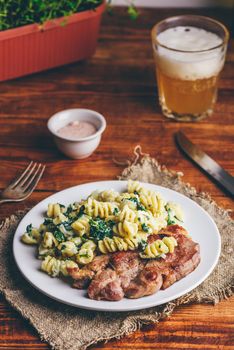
x=119 y=82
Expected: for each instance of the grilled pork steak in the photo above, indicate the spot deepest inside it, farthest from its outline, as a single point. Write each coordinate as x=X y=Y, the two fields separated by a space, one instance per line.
x=147 y=282
x=126 y=265
x=106 y=285
x=174 y=230
x=113 y=276
x=84 y=276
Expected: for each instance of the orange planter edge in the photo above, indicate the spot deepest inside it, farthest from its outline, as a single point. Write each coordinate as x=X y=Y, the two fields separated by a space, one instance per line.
x=33 y=48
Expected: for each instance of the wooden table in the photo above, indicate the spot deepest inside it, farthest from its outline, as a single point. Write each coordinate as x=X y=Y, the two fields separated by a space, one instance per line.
x=119 y=82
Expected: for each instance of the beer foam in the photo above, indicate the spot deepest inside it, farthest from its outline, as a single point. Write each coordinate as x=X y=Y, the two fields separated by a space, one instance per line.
x=189 y=65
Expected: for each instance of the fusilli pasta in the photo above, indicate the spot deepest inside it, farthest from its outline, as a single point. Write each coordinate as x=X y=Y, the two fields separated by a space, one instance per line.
x=134 y=186
x=54 y=210
x=152 y=202
x=68 y=248
x=126 y=229
x=110 y=245
x=101 y=209
x=54 y=266
x=81 y=226
x=127 y=214
x=159 y=247
x=31 y=236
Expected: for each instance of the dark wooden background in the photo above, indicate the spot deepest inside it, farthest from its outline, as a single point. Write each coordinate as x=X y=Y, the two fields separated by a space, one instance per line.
x=119 y=82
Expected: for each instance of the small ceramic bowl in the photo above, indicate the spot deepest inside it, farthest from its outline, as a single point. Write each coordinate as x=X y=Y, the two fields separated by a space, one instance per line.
x=77 y=148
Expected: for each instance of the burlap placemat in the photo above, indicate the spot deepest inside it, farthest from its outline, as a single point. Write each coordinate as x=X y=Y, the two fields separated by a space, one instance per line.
x=68 y=328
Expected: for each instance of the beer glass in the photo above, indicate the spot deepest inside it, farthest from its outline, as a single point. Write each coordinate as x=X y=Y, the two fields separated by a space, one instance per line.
x=189 y=54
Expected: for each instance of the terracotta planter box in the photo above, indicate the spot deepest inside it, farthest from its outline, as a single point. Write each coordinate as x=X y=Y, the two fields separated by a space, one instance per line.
x=29 y=49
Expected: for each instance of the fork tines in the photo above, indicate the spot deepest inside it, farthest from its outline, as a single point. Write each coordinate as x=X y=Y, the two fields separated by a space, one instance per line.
x=28 y=180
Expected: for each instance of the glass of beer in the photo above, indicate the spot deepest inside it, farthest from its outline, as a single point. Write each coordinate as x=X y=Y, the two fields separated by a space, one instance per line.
x=189 y=54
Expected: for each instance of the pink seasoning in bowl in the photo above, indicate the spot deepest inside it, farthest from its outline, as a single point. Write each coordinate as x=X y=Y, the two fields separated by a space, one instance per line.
x=77 y=130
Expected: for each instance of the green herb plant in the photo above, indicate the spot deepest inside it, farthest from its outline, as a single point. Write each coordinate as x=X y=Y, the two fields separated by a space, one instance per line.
x=131 y=9
x=17 y=13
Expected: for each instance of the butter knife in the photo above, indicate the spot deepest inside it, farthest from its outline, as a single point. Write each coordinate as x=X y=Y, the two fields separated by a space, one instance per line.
x=205 y=162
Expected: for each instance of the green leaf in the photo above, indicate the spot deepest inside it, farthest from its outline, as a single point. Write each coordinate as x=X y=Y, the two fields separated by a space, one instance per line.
x=16 y=13
x=47 y=221
x=84 y=255
x=100 y=229
x=116 y=211
x=81 y=212
x=138 y=204
x=111 y=223
x=29 y=228
x=145 y=227
x=143 y=244
x=59 y=236
x=170 y=220
x=69 y=210
x=132 y=12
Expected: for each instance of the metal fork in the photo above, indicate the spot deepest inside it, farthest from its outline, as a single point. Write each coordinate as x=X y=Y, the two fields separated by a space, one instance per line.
x=24 y=185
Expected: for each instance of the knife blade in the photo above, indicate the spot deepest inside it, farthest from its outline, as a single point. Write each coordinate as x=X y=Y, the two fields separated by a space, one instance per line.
x=205 y=162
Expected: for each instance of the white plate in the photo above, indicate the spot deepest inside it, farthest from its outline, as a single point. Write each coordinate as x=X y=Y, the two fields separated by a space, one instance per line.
x=199 y=224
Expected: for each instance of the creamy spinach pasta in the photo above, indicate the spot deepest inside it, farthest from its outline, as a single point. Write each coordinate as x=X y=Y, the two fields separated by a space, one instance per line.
x=106 y=222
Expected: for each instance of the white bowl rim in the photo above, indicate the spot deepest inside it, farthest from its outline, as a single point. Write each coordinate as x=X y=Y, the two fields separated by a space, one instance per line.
x=96 y=114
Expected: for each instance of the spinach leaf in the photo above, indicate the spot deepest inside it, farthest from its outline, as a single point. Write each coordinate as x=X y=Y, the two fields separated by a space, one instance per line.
x=50 y=226
x=100 y=229
x=138 y=204
x=116 y=211
x=81 y=212
x=47 y=221
x=29 y=228
x=69 y=210
x=111 y=223
x=85 y=255
x=143 y=244
x=170 y=220
x=145 y=227
x=67 y=225
x=59 y=236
